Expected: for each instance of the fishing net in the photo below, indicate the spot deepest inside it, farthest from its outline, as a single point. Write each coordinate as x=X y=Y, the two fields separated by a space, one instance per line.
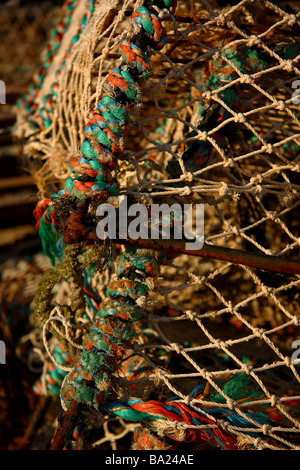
x=194 y=103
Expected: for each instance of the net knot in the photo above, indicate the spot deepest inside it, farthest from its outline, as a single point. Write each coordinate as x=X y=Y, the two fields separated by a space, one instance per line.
x=240 y=118
x=268 y=148
x=202 y=135
x=247 y=368
x=217 y=55
x=287 y=65
x=141 y=301
x=254 y=41
x=231 y=403
x=271 y=215
x=187 y=176
x=287 y=360
x=259 y=332
x=191 y=315
x=266 y=428
x=281 y=105
x=268 y=290
x=292 y=19
x=223 y=189
x=236 y=230
x=177 y=348
x=186 y=191
x=296 y=320
x=258 y=189
x=219 y=343
x=274 y=400
x=256 y=179
x=229 y=163
x=221 y=20
x=177 y=73
x=246 y=79
x=257 y=442
x=207 y=95
x=160 y=375
x=187 y=400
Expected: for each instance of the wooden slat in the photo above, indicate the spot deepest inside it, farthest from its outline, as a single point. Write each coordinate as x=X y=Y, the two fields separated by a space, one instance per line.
x=16 y=182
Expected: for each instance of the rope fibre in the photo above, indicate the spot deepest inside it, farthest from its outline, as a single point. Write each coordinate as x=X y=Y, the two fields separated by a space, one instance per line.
x=75 y=186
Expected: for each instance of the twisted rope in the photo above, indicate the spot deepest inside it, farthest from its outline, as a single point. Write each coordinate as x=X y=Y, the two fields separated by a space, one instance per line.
x=112 y=331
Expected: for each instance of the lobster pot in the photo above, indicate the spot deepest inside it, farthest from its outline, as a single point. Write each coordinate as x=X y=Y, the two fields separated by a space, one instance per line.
x=217 y=126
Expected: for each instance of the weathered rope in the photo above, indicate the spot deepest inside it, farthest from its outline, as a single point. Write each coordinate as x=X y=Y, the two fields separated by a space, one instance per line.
x=178 y=421
x=112 y=331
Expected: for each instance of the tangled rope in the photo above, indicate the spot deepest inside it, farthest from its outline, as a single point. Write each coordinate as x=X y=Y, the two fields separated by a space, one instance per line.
x=178 y=421
x=92 y=379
